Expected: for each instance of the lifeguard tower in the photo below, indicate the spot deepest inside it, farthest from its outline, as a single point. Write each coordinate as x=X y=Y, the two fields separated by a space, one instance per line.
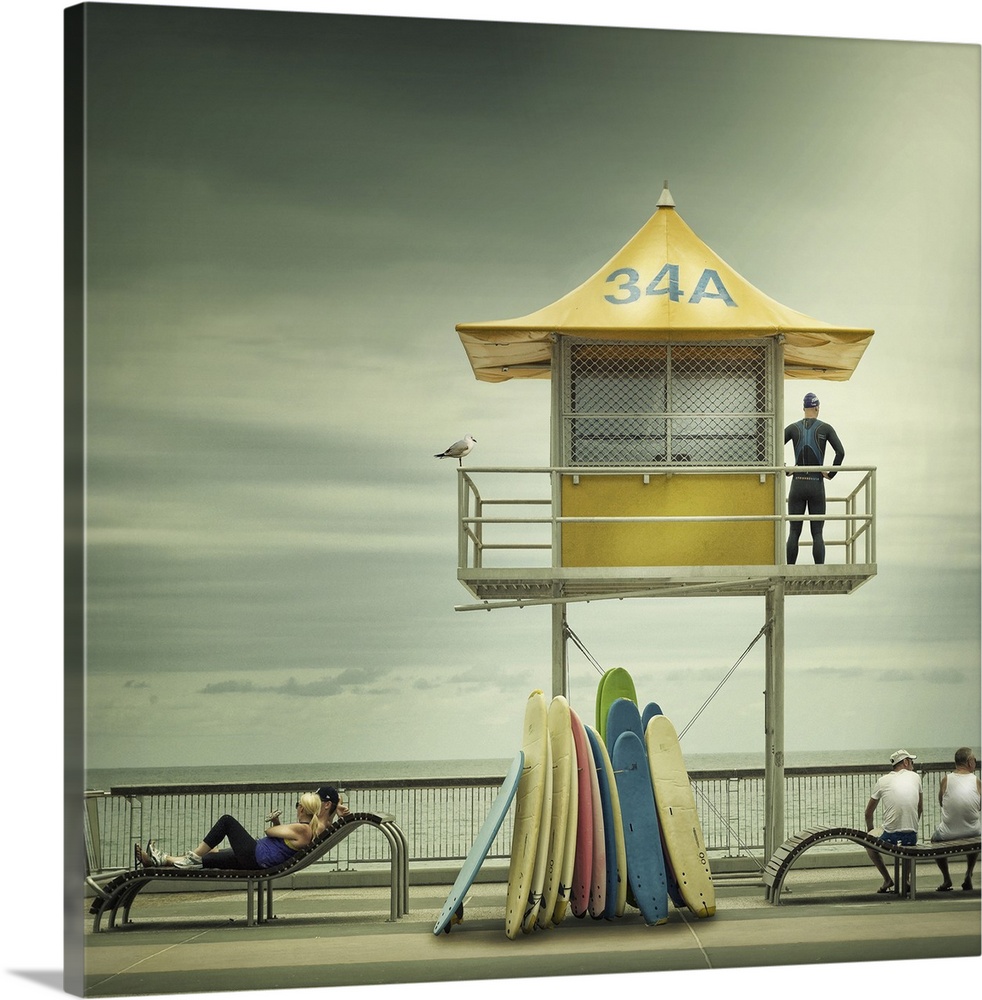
x=667 y=474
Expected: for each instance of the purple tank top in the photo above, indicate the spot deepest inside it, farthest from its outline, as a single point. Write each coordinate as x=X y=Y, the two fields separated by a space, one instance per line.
x=272 y=851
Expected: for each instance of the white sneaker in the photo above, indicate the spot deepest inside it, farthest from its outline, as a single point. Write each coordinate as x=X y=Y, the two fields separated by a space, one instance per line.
x=189 y=861
x=155 y=854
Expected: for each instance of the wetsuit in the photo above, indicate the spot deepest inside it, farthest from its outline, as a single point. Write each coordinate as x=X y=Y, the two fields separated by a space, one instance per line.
x=809 y=437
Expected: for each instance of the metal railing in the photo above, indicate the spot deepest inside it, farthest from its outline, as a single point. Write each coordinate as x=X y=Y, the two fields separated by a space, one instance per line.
x=527 y=530
x=442 y=816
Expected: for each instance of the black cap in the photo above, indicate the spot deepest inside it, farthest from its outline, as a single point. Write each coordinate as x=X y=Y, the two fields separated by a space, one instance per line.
x=328 y=793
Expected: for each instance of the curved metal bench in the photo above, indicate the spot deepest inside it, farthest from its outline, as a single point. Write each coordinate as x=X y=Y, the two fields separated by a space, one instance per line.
x=115 y=899
x=905 y=858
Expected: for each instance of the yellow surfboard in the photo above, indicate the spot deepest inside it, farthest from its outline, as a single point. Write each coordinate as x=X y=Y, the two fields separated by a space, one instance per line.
x=528 y=812
x=569 y=850
x=561 y=744
x=681 y=829
x=534 y=903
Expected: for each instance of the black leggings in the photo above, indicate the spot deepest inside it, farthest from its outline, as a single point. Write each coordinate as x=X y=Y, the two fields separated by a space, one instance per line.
x=806 y=494
x=242 y=843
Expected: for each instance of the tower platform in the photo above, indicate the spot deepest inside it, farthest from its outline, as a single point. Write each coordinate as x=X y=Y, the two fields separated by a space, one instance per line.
x=578 y=583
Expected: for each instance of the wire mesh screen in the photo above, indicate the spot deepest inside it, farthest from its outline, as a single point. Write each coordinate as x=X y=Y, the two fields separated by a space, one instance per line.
x=666 y=404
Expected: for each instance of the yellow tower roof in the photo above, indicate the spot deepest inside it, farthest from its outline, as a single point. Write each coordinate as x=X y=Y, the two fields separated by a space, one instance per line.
x=664 y=284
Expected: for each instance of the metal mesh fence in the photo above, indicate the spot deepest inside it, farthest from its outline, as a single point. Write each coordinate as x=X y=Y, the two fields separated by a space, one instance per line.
x=666 y=404
x=441 y=817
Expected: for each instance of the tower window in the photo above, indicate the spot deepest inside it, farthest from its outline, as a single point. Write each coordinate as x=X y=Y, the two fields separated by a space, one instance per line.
x=666 y=404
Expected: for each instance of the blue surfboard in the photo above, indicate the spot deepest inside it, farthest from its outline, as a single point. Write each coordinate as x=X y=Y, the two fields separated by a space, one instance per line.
x=646 y=870
x=623 y=717
x=453 y=909
x=610 y=843
x=652 y=708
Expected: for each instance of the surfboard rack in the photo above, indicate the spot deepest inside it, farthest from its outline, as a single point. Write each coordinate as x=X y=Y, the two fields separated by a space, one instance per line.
x=116 y=898
x=905 y=858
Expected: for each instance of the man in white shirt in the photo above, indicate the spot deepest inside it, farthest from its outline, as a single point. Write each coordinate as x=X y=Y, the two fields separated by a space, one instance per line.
x=903 y=802
x=960 y=797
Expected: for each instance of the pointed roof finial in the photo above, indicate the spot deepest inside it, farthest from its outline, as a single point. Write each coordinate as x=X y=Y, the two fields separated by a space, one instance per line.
x=666 y=200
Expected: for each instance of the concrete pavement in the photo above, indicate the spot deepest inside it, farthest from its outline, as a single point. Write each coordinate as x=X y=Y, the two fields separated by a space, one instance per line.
x=197 y=942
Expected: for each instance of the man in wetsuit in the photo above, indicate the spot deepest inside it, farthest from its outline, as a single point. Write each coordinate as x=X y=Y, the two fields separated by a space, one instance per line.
x=809 y=437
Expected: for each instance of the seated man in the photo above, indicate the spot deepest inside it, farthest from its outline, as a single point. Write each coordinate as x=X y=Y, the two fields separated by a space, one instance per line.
x=959 y=797
x=903 y=802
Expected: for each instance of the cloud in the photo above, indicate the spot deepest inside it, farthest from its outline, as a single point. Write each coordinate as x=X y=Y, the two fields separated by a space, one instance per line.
x=322 y=687
x=272 y=359
x=888 y=675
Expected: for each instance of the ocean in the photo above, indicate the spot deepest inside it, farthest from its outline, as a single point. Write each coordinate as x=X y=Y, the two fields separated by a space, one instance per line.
x=340 y=773
x=442 y=824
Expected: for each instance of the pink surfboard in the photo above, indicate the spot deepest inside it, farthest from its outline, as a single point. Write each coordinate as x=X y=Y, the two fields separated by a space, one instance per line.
x=579 y=897
x=598 y=885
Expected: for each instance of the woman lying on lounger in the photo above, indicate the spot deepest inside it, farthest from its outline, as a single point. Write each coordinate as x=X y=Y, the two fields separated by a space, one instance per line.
x=245 y=852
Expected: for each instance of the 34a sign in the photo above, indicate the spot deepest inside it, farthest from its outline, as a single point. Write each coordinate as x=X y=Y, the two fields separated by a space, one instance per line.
x=666 y=282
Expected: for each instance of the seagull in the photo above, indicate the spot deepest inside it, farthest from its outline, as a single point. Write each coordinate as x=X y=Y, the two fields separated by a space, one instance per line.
x=459 y=449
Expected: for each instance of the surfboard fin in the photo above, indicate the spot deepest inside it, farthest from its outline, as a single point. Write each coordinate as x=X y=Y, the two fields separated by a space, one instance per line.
x=457 y=918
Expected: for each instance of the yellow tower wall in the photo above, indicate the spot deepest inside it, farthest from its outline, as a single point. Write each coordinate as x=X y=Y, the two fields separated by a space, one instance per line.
x=676 y=543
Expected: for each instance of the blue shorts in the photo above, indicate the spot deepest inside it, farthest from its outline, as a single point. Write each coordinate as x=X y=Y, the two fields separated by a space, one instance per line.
x=902 y=838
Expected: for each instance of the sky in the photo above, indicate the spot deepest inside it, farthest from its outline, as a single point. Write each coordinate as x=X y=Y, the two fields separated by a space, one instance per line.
x=287 y=215
x=285 y=229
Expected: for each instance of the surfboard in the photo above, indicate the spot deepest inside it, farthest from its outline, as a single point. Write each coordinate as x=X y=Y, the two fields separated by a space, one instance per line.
x=616 y=890
x=615 y=683
x=685 y=847
x=453 y=910
x=623 y=716
x=561 y=742
x=579 y=900
x=652 y=708
x=528 y=812
x=598 y=883
x=534 y=902
x=642 y=837
x=569 y=850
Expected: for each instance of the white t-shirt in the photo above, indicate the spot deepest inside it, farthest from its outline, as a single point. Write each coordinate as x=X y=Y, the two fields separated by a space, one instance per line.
x=898 y=792
x=960 y=808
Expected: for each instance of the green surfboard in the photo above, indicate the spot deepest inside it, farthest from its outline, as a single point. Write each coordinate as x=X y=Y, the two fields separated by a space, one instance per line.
x=615 y=683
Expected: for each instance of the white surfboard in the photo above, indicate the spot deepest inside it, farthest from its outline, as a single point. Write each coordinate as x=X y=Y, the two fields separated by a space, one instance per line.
x=561 y=744
x=569 y=850
x=681 y=829
x=528 y=812
x=534 y=902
